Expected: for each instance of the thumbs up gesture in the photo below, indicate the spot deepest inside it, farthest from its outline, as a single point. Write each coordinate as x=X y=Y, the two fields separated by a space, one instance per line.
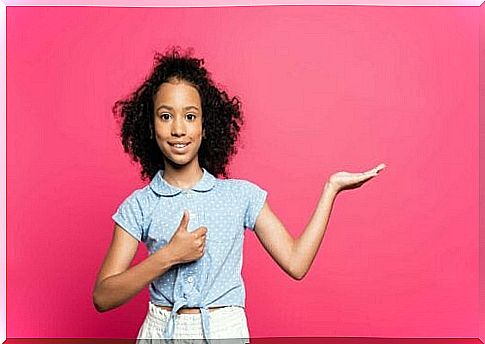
x=187 y=246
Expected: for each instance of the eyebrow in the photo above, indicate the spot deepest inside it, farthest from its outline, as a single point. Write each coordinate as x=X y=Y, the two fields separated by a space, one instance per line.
x=171 y=108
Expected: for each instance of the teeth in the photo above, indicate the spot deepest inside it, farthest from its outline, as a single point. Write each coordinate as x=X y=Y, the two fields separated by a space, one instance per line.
x=180 y=145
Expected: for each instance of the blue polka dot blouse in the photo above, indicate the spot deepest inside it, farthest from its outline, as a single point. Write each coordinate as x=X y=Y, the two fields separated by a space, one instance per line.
x=225 y=206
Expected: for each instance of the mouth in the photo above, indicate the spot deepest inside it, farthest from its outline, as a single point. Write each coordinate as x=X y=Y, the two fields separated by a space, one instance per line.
x=179 y=144
x=179 y=147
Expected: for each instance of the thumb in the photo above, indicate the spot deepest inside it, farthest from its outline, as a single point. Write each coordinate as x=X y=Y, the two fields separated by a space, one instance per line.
x=184 y=222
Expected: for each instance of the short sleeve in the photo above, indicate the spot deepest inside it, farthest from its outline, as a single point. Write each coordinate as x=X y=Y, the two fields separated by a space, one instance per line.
x=129 y=216
x=255 y=198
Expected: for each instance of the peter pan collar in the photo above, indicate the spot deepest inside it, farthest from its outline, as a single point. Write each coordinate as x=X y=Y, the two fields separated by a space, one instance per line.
x=161 y=187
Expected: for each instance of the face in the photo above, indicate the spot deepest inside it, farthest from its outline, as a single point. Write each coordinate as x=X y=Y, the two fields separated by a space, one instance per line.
x=178 y=123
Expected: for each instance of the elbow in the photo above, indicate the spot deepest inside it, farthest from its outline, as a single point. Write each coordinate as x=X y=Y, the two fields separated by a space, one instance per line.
x=98 y=306
x=101 y=298
x=98 y=303
x=297 y=269
x=298 y=276
x=297 y=273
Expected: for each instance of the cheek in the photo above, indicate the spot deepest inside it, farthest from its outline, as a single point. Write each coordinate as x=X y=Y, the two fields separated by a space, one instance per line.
x=197 y=132
x=162 y=131
x=162 y=148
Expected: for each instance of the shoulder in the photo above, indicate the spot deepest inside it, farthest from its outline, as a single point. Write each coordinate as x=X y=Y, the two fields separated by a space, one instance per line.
x=234 y=182
x=141 y=197
x=237 y=185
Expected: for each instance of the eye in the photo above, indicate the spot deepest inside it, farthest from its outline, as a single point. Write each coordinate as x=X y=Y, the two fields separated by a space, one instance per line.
x=191 y=116
x=165 y=116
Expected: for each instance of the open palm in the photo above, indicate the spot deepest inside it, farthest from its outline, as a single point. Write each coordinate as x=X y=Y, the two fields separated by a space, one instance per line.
x=346 y=180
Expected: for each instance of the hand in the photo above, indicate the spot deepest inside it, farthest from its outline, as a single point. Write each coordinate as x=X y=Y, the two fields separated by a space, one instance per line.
x=187 y=246
x=345 y=180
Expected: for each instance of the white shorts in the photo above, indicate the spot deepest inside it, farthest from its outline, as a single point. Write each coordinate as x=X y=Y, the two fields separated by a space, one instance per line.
x=227 y=325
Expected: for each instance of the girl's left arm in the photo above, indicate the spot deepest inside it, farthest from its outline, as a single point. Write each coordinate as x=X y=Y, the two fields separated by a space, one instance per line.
x=295 y=256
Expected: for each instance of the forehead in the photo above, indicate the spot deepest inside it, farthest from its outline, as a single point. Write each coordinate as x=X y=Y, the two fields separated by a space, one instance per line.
x=177 y=92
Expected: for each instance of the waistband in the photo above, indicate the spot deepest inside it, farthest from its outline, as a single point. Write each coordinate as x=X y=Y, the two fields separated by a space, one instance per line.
x=156 y=313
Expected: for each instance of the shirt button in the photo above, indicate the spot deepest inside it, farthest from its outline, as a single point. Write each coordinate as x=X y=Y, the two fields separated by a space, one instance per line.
x=190 y=279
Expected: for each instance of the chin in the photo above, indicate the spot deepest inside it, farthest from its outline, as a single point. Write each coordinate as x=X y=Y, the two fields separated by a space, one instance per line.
x=177 y=162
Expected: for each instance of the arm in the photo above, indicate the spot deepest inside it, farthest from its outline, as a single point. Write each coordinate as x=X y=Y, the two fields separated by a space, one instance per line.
x=295 y=256
x=115 y=283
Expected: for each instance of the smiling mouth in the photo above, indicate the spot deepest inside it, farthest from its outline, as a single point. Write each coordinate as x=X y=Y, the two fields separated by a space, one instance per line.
x=179 y=145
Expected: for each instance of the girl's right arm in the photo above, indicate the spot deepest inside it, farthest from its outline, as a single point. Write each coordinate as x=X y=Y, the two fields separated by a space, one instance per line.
x=116 y=283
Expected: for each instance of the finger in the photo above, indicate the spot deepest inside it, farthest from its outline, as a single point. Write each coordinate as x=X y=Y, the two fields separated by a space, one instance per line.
x=200 y=231
x=201 y=237
x=184 y=222
x=379 y=168
x=375 y=170
x=365 y=176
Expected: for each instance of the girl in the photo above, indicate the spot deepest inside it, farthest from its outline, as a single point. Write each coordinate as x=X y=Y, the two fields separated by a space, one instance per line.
x=182 y=130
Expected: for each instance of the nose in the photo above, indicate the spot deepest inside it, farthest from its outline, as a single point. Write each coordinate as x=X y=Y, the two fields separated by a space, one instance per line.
x=178 y=127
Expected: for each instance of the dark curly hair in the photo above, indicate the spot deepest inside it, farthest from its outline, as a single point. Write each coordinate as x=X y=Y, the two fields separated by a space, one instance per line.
x=221 y=116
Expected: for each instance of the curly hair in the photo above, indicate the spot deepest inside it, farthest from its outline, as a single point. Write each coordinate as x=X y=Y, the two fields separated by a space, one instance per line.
x=221 y=117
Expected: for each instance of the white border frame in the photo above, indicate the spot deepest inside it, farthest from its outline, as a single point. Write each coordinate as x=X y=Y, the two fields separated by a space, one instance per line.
x=132 y=3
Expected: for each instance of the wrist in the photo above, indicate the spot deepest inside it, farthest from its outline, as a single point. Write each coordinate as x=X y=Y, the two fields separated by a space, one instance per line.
x=166 y=257
x=331 y=188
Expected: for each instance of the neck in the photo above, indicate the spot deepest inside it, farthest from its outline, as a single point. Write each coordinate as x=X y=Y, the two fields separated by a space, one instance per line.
x=184 y=177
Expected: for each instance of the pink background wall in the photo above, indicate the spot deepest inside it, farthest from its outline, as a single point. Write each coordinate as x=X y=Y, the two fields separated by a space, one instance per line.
x=482 y=175
x=344 y=87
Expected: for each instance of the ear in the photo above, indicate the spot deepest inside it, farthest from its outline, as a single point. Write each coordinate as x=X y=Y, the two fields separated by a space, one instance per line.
x=203 y=133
